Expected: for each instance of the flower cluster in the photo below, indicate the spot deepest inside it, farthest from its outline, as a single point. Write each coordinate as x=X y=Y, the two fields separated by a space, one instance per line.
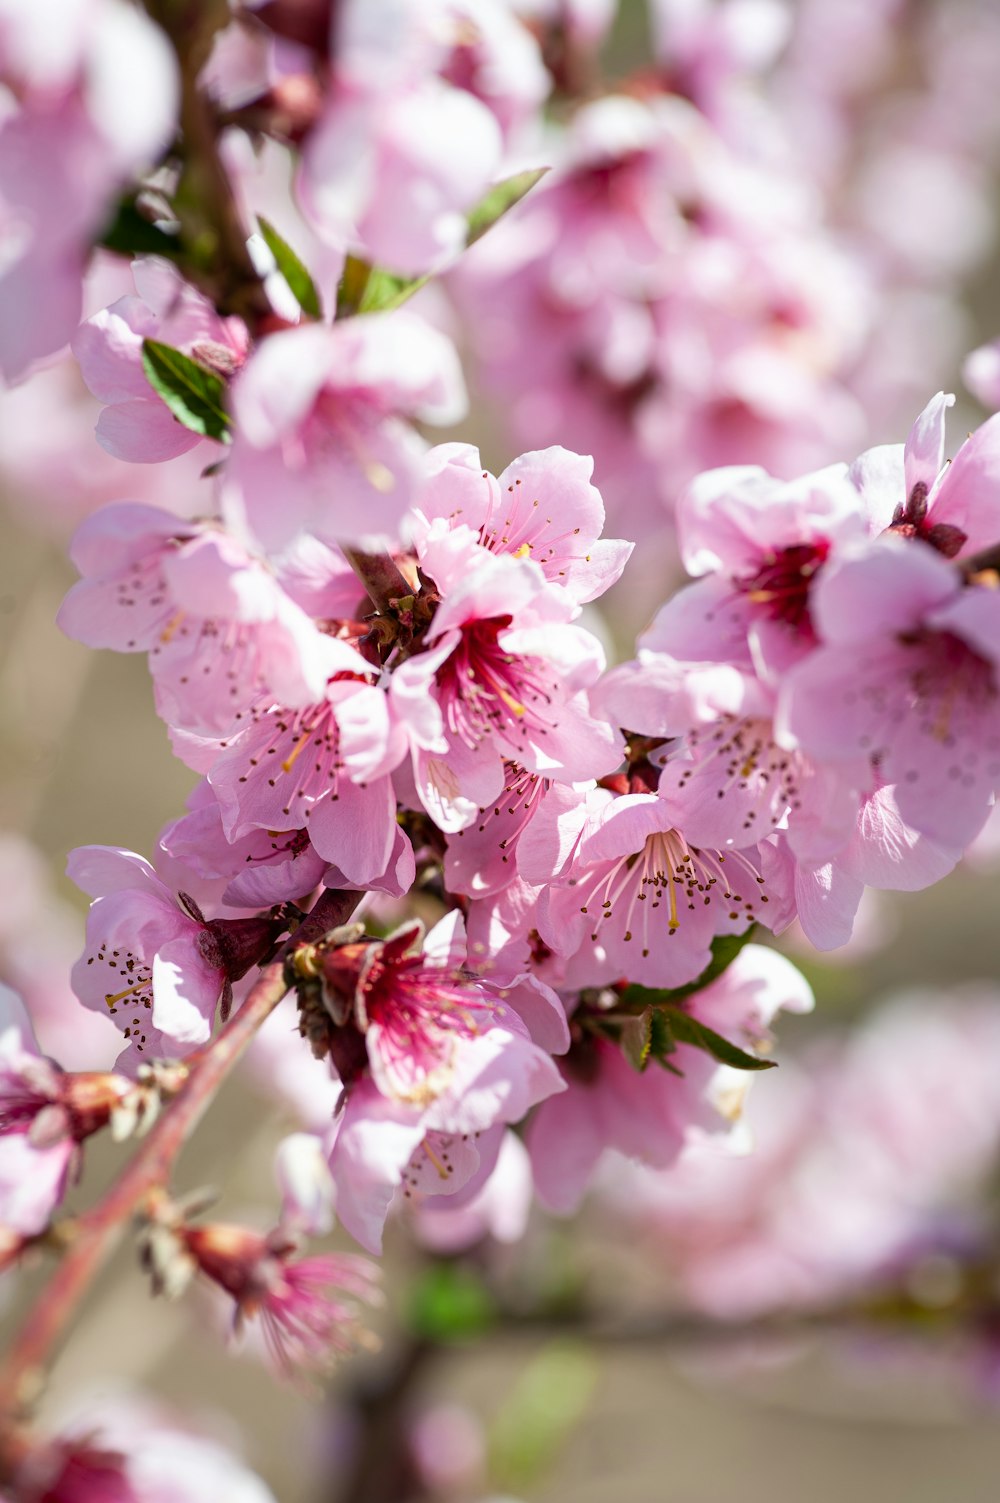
x=496 y=893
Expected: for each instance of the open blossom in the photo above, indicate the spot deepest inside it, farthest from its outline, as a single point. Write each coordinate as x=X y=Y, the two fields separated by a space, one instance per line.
x=910 y=489
x=502 y=678
x=157 y=968
x=126 y=1451
x=398 y=155
x=85 y=115
x=323 y=420
x=136 y=424
x=543 y=506
x=629 y=895
x=434 y=1061
x=760 y=543
x=908 y=676
x=652 y=1115
x=319 y=768
x=220 y=631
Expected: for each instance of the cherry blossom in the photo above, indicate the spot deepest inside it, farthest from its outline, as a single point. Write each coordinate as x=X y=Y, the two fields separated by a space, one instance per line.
x=136 y=424
x=322 y=416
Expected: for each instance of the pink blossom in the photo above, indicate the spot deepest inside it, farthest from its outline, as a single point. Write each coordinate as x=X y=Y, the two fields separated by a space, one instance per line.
x=136 y=424
x=35 y=1165
x=981 y=374
x=89 y=113
x=651 y=1115
x=398 y=156
x=205 y=611
x=481 y=859
x=543 y=507
x=761 y=543
x=450 y=1062
x=321 y=418
x=499 y=1208
x=307 y=1307
x=317 y=769
x=154 y=967
x=907 y=675
x=633 y=898
x=913 y=492
x=123 y=1450
x=502 y=678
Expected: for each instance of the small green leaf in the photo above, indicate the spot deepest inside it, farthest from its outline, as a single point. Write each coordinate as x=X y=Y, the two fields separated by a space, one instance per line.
x=449 y=1303
x=499 y=200
x=636 y=1039
x=292 y=268
x=373 y=289
x=661 y=1039
x=194 y=394
x=132 y=234
x=688 y=1030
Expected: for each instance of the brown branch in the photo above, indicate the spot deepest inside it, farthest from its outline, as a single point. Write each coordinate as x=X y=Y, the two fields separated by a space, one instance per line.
x=382 y=580
x=99 y=1231
x=211 y=225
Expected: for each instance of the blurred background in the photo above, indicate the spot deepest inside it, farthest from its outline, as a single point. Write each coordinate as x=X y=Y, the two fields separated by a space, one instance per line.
x=850 y=1257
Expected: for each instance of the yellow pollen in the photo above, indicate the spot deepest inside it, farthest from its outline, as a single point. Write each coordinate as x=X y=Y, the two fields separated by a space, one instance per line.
x=139 y=987
x=512 y=704
x=442 y=1171
x=524 y=551
x=171 y=627
x=297 y=749
x=379 y=476
x=672 y=892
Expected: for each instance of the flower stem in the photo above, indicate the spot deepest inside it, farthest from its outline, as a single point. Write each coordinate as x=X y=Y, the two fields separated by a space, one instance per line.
x=99 y=1230
x=380 y=577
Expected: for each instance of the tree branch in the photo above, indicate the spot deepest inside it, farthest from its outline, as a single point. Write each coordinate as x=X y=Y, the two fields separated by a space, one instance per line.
x=99 y=1231
x=380 y=577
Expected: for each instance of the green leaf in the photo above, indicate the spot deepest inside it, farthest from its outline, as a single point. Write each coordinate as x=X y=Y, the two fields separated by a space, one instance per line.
x=499 y=200
x=292 y=268
x=194 y=394
x=449 y=1303
x=688 y=1030
x=539 y=1415
x=373 y=289
x=636 y=1038
x=725 y=949
x=132 y=234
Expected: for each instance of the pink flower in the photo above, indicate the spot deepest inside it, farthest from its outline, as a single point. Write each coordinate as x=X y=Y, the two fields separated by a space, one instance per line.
x=761 y=543
x=502 y=678
x=482 y=858
x=543 y=507
x=318 y=769
x=136 y=424
x=910 y=489
x=307 y=1307
x=398 y=156
x=908 y=676
x=36 y=1162
x=632 y=897
x=651 y=1115
x=89 y=112
x=157 y=968
x=125 y=1451
x=321 y=417
x=981 y=374
x=220 y=631
x=447 y=1060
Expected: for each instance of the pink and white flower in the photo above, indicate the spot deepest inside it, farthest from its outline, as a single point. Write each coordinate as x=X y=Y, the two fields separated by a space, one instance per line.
x=220 y=631
x=908 y=676
x=910 y=490
x=502 y=678
x=90 y=111
x=543 y=506
x=323 y=420
x=136 y=424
